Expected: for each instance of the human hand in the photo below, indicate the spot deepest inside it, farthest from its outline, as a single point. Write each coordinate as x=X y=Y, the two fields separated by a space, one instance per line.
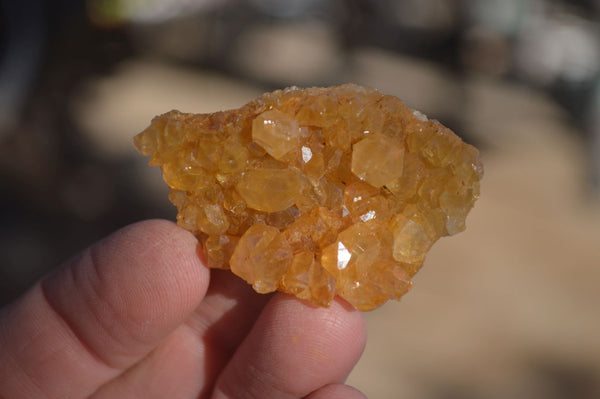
x=139 y=316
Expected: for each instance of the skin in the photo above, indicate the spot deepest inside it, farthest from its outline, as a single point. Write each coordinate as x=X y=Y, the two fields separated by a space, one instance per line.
x=138 y=315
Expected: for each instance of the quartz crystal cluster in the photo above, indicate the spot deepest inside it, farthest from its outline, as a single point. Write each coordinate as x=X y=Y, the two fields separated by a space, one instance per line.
x=317 y=192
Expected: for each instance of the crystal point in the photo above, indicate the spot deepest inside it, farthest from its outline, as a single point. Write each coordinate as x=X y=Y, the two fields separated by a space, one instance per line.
x=317 y=192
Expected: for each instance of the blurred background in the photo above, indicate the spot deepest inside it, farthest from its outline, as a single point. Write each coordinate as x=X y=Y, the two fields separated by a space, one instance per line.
x=508 y=308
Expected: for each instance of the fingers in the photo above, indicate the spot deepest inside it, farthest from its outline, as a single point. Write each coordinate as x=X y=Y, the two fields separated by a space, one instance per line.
x=293 y=350
x=101 y=313
x=223 y=320
x=174 y=369
x=336 y=391
x=131 y=302
x=187 y=362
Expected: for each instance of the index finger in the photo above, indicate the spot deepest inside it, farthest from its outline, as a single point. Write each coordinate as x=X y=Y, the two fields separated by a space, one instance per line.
x=101 y=313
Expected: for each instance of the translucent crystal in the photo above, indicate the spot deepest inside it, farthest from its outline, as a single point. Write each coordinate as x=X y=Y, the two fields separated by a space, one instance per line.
x=278 y=189
x=276 y=132
x=317 y=192
x=378 y=159
x=261 y=257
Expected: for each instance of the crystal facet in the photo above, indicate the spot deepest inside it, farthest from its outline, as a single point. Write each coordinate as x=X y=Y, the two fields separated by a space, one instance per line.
x=317 y=192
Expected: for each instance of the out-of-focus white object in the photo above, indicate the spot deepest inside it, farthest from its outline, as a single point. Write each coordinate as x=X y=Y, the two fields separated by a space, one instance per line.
x=564 y=47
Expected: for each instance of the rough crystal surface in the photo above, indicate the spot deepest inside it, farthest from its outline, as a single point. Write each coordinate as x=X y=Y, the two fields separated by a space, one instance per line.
x=317 y=192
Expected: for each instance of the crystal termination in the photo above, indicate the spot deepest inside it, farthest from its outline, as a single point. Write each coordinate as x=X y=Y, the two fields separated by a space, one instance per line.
x=317 y=192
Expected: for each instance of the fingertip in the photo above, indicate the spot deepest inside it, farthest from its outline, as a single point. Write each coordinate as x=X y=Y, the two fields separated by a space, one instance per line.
x=340 y=327
x=130 y=289
x=337 y=391
x=155 y=238
x=155 y=260
x=355 y=319
x=293 y=349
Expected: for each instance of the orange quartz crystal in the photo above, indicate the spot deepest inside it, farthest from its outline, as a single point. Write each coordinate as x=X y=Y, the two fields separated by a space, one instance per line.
x=317 y=192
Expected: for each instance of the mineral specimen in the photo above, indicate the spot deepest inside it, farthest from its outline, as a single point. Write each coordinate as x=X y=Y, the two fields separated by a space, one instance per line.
x=317 y=192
